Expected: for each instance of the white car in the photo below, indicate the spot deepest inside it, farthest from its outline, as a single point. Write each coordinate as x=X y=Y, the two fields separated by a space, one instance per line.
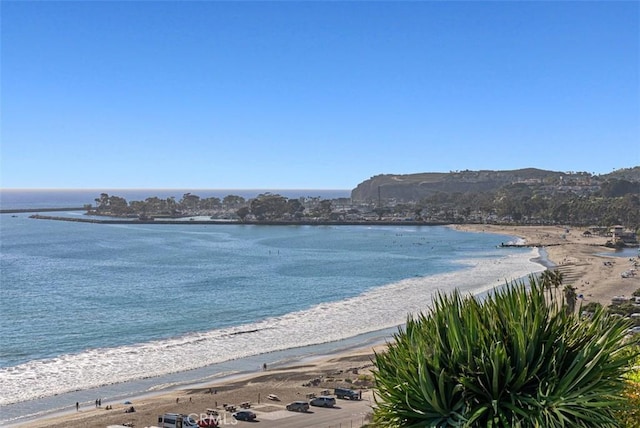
x=323 y=401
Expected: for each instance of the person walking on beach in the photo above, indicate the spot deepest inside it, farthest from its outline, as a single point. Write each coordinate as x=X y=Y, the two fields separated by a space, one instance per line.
x=77 y=406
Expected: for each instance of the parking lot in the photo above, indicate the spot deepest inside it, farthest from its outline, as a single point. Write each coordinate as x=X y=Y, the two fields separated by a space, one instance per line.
x=346 y=413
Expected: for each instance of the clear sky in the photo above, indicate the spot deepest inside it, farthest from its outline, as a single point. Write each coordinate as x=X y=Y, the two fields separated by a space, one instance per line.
x=315 y=95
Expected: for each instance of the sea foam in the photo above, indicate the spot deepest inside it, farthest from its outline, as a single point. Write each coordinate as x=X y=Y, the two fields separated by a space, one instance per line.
x=379 y=308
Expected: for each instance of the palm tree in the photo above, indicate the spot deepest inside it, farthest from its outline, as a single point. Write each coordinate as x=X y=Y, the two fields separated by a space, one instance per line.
x=551 y=279
x=570 y=298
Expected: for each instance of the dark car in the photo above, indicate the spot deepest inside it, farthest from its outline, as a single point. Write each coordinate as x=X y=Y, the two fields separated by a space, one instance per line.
x=298 y=406
x=346 y=393
x=244 y=415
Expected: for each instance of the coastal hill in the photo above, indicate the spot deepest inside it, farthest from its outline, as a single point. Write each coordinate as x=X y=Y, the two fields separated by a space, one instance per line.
x=414 y=187
x=524 y=196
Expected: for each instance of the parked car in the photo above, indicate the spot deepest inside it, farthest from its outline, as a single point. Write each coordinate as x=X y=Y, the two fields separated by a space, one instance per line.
x=323 y=401
x=298 y=406
x=348 y=394
x=175 y=420
x=244 y=415
x=209 y=422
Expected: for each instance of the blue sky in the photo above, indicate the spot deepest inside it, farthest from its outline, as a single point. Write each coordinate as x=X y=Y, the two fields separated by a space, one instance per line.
x=315 y=95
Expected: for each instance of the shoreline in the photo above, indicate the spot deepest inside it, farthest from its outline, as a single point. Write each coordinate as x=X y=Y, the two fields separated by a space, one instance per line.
x=289 y=382
x=238 y=372
x=580 y=259
x=192 y=220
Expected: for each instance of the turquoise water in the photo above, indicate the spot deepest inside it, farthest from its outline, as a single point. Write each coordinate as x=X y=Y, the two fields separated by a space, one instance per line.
x=91 y=305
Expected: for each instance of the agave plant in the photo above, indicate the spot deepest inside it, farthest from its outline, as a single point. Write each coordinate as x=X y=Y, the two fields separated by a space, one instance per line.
x=512 y=359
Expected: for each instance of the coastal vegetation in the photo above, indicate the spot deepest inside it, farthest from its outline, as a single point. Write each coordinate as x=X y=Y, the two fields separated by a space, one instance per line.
x=524 y=197
x=629 y=417
x=512 y=359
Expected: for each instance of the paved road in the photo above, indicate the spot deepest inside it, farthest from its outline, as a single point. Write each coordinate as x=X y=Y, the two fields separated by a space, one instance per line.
x=346 y=414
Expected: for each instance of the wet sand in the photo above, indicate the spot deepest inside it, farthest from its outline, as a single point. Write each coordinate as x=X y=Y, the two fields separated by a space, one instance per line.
x=351 y=369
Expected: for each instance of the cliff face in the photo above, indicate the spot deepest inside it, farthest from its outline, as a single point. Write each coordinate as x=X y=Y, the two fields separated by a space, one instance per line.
x=413 y=187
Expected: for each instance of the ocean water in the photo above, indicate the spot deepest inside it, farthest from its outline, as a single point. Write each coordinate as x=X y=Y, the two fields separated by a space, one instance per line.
x=67 y=198
x=93 y=310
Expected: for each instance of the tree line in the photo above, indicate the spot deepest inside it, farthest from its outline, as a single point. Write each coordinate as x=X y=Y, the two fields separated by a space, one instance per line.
x=617 y=202
x=264 y=207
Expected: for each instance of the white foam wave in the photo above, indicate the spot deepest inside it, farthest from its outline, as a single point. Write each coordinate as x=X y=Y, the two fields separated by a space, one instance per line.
x=377 y=309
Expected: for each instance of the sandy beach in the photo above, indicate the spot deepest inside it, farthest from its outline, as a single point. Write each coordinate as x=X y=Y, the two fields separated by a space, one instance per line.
x=597 y=277
x=351 y=369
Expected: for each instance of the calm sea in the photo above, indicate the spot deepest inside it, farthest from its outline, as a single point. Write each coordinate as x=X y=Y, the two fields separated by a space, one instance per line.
x=111 y=311
x=39 y=198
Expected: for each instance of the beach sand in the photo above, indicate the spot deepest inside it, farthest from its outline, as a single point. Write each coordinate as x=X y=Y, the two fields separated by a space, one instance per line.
x=351 y=369
x=596 y=277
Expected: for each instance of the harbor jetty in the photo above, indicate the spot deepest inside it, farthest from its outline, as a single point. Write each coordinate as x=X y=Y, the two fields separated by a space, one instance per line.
x=236 y=222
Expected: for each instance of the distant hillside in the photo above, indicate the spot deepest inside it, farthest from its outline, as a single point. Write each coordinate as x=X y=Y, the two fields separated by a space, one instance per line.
x=629 y=174
x=414 y=187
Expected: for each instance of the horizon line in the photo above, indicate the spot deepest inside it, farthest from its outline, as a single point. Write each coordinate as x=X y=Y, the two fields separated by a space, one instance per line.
x=165 y=188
